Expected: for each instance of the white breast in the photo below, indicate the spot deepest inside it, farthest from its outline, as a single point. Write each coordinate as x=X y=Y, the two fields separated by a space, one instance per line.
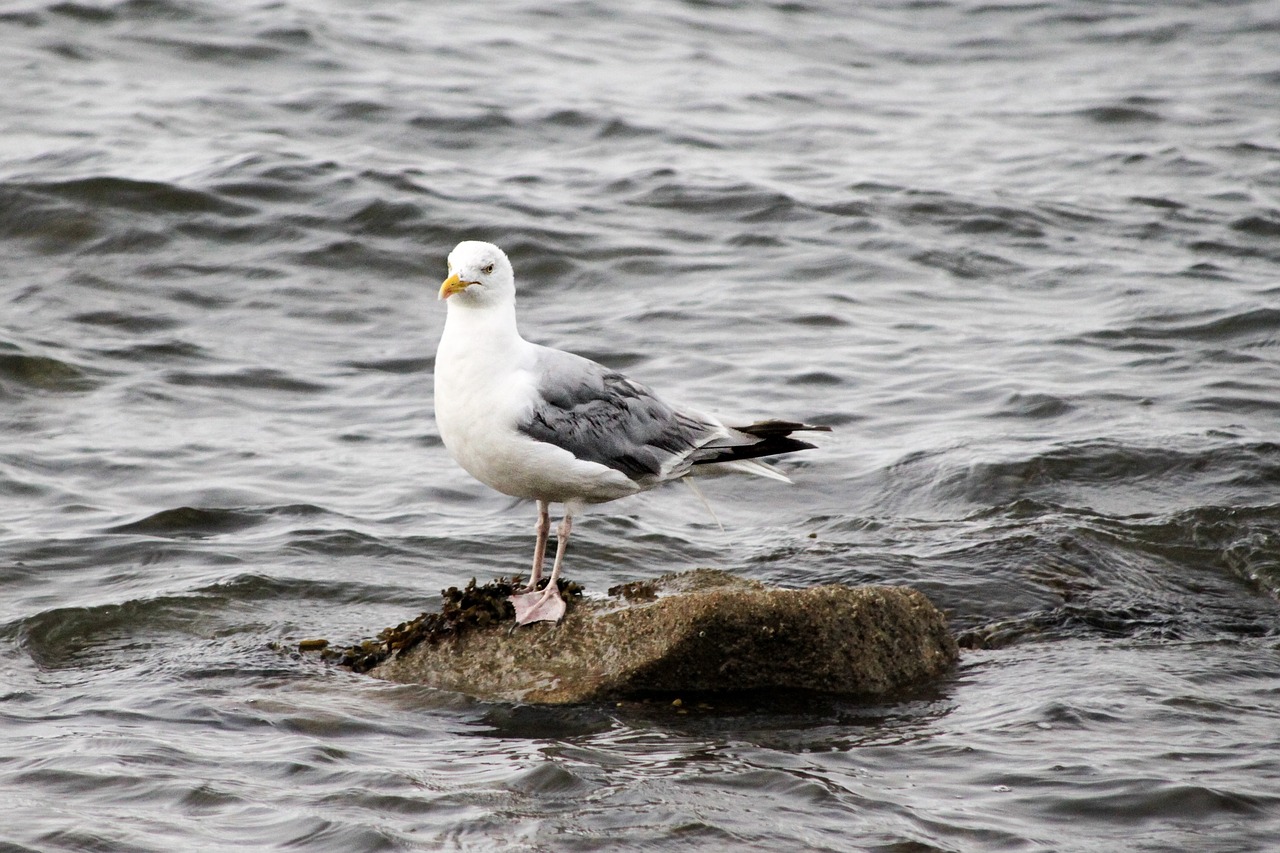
x=484 y=387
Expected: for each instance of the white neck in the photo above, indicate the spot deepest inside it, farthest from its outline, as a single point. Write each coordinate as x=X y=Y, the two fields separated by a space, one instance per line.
x=495 y=324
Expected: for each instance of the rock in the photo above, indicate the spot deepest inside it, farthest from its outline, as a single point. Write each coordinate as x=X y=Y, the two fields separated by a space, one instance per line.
x=699 y=632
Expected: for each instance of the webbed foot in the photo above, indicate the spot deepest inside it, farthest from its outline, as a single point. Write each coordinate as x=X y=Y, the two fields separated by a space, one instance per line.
x=542 y=606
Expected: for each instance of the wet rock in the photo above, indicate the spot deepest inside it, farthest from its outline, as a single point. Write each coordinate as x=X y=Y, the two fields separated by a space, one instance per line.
x=463 y=610
x=698 y=632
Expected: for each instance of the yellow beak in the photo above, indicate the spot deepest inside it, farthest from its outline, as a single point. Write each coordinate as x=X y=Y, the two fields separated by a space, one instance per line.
x=453 y=285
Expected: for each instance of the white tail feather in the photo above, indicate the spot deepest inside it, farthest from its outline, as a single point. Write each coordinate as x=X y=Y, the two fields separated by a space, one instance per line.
x=745 y=466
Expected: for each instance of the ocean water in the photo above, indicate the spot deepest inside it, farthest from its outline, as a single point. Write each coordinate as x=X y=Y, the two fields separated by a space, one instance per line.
x=1024 y=257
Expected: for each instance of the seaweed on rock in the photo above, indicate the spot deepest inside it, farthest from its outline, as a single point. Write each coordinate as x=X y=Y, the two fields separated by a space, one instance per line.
x=474 y=606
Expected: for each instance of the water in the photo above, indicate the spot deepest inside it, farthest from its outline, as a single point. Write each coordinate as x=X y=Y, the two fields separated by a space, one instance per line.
x=1022 y=256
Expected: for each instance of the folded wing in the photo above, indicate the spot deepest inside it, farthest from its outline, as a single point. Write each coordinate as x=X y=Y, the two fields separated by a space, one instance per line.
x=601 y=416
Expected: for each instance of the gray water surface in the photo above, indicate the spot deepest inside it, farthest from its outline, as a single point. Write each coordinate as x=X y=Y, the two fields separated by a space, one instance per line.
x=1024 y=257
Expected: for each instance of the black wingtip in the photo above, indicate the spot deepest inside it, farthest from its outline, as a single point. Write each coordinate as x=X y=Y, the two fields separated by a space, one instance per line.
x=778 y=428
x=775 y=438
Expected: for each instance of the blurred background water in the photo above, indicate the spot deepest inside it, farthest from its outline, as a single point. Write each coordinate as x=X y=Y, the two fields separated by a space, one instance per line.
x=1024 y=257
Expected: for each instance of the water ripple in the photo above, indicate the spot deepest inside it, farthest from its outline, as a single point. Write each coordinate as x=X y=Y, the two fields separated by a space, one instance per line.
x=1040 y=315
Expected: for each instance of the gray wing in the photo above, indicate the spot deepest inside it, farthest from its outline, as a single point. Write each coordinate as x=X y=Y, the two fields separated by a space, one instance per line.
x=600 y=415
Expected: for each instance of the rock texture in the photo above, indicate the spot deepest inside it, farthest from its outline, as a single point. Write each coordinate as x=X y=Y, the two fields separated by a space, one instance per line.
x=700 y=632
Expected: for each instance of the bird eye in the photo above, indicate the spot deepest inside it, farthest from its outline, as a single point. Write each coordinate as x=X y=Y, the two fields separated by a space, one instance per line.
x=487 y=270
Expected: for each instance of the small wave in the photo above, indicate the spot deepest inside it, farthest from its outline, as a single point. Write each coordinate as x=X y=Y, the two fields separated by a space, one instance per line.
x=819 y=321
x=84 y=13
x=600 y=126
x=186 y=521
x=360 y=255
x=481 y=122
x=1036 y=406
x=159 y=352
x=1120 y=114
x=1245 y=539
x=136 y=241
x=405 y=366
x=1215 y=326
x=260 y=378
x=332 y=544
x=39 y=372
x=1200 y=574
x=1160 y=203
x=1109 y=801
x=744 y=202
x=1259 y=226
x=1122 y=32
x=228 y=51
x=85 y=214
x=816 y=378
x=1108 y=464
x=968 y=263
x=385 y=218
x=358 y=110
x=134 y=195
x=963 y=216
x=75 y=636
x=461 y=132
x=1264 y=250
x=24 y=18
x=1206 y=271
x=144 y=10
x=128 y=322
x=29 y=215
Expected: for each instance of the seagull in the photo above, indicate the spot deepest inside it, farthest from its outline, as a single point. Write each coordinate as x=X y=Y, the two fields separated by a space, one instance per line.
x=547 y=425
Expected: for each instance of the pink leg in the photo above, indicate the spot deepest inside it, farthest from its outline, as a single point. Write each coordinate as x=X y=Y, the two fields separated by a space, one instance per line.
x=546 y=606
x=540 y=549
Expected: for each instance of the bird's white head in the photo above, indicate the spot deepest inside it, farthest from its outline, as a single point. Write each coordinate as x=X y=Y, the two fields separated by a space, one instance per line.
x=479 y=275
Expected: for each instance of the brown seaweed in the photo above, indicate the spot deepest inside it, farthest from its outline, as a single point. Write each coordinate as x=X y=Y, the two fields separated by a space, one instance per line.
x=462 y=609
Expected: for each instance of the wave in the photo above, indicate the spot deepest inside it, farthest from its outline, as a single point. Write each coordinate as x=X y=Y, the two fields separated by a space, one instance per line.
x=104 y=633
x=1104 y=473
x=22 y=372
